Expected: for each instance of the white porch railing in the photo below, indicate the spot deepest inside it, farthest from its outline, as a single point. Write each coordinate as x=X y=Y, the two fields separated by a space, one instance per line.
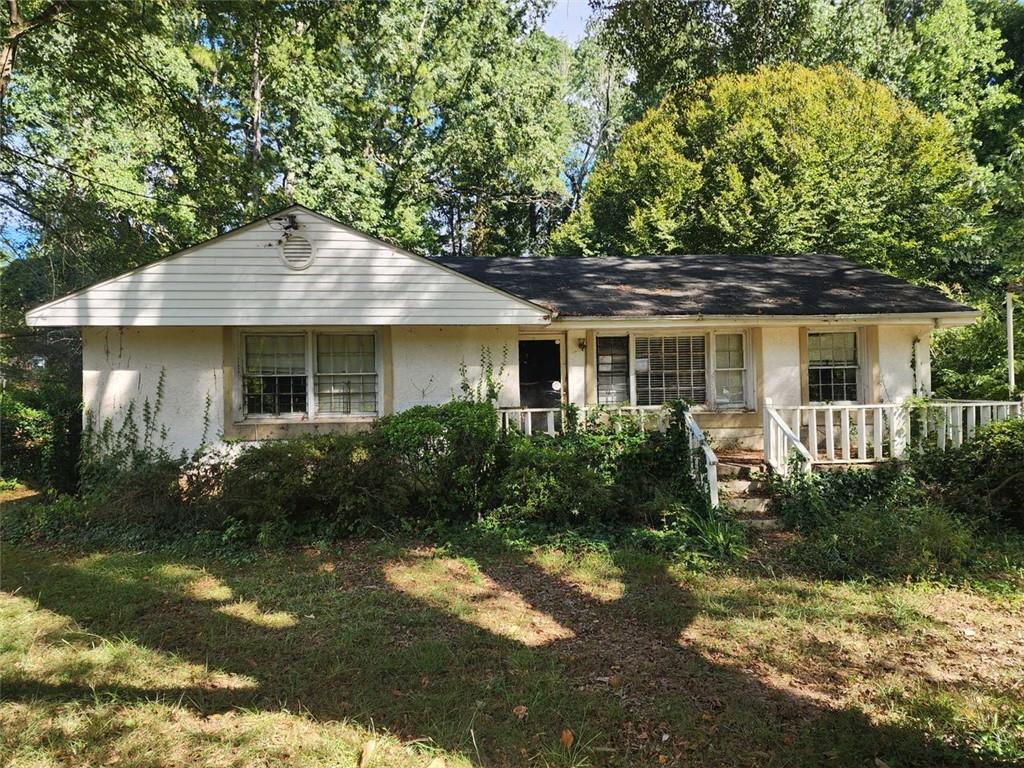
x=781 y=443
x=704 y=462
x=861 y=434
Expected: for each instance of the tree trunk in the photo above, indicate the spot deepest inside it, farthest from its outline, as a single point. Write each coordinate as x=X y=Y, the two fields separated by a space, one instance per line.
x=19 y=27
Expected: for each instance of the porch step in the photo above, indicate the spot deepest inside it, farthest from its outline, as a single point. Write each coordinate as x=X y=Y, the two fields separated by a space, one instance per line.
x=746 y=493
x=753 y=505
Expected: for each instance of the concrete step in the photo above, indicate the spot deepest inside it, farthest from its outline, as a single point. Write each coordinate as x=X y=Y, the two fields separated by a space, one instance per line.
x=761 y=523
x=754 y=504
x=735 y=486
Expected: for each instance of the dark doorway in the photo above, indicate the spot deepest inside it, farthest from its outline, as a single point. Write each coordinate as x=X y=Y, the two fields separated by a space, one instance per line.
x=540 y=373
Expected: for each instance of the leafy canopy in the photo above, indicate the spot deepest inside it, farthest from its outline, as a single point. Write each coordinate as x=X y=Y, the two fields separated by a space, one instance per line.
x=789 y=160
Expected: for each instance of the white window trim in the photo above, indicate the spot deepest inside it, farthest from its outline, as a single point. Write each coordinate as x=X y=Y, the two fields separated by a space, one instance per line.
x=709 y=367
x=748 y=382
x=863 y=364
x=312 y=414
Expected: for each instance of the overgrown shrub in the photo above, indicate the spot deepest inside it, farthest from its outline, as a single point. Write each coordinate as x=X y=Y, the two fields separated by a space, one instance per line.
x=430 y=465
x=445 y=458
x=26 y=438
x=983 y=477
x=925 y=516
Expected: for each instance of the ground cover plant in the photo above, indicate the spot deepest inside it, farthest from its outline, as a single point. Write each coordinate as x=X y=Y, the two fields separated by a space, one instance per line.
x=938 y=513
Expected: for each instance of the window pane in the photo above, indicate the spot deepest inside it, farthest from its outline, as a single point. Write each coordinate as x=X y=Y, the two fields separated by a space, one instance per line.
x=670 y=368
x=275 y=355
x=274 y=374
x=729 y=385
x=833 y=370
x=274 y=395
x=346 y=380
x=729 y=350
x=612 y=370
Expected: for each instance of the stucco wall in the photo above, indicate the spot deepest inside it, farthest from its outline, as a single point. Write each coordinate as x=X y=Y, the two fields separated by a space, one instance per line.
x=780 y=365
x=124 y=365
x=426 y=359
x=896 y=361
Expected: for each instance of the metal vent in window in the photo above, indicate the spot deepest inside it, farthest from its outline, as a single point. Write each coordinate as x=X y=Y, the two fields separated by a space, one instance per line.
x=297 y=252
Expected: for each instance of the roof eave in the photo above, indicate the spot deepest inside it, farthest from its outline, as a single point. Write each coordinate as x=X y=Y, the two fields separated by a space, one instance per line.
x=945 y=319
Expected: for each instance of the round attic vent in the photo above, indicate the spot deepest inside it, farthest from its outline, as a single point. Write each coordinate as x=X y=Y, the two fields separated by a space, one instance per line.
x=297 y=252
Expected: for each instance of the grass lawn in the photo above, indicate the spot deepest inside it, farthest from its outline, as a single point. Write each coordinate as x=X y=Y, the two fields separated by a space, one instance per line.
x=390 y=655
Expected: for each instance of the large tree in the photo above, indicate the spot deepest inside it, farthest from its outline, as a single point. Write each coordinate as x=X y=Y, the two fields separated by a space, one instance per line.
x=790 y=159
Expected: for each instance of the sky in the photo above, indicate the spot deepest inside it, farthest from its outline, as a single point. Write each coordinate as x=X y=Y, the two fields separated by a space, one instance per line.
x=567 y=19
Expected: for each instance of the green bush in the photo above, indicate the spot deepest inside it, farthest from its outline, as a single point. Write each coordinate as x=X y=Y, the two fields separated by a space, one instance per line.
x=982 y=478
x=40 y=430
x=444 y=458
x=26 y=438
x=548 y=480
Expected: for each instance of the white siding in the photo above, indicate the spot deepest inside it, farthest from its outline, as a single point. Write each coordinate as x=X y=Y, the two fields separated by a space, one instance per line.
x=121 y=366
x=426 y=362
x=240 y=279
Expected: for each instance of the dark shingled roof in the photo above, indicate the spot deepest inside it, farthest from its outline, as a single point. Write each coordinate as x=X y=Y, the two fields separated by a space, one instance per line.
x=705 y=284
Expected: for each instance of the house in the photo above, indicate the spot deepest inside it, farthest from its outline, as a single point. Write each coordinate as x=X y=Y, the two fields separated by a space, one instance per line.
x=296 y=322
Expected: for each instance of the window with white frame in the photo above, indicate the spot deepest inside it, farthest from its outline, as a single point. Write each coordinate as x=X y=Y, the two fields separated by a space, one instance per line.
x=612 y=370
x=832 y=367
x=346 y=373
x=670 y=368
x=296 y=374
x=730 y=371
x=274 y=380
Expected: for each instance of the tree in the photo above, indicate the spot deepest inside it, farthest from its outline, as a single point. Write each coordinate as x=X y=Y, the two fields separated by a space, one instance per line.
x=944 y=55
x=790 y=160
x=599 y=102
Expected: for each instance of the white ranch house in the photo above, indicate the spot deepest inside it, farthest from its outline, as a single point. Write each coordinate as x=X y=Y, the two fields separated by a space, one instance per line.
x=296 y=322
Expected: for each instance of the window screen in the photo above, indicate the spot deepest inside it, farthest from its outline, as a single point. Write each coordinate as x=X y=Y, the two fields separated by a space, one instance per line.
x=832 y=367
x=612 y=370
x=274 y=378
x=729 y=370
x=346 y=373
x=670 y=368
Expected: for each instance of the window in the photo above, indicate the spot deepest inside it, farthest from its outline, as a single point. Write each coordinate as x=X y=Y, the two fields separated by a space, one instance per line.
x=612 y=370
x=274 y=380
x=730 y=370
x=670 y=368
x=346 y=373
x=832 y=368
x=309 y=373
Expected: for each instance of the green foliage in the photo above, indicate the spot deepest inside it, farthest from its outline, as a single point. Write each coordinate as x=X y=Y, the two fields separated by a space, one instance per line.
x=26 y=438
x=443 y=457
x=935 y=514
x=877 y=522
x=427 y=469
x=38 y=434
x=984 y=477
x=946 y=56
x=788 y=160
x=970 y=362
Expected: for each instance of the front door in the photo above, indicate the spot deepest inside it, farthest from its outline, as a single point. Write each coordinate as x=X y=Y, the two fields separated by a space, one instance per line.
x=540 y=373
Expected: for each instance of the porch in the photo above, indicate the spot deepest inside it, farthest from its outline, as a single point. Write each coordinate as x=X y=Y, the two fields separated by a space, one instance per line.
x=801 y=438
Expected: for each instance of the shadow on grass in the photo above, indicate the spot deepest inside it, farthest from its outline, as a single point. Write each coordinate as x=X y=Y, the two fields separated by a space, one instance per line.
x=494 y=667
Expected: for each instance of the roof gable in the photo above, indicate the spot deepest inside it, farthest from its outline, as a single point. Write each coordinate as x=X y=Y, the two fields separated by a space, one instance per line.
x=241 y=278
